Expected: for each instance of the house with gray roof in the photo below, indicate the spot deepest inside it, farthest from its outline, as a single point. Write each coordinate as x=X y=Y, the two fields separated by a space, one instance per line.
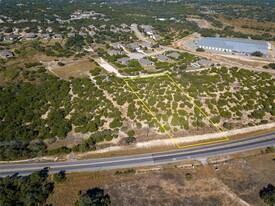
x=146 y=44
x=123 y=60
x=11 y=37
x=46 y=36
x=147 y=29
x=162 y=58
x=49 y=29
x=174 y=55
x=31 y=36
x=155 y=37
x=58 y=36
x=204 y=62
x=71 y=34
x=92 y=27
x=116 y=45
x=115 y=52
x=103 y=27
x=146 y=62
x=133 y=45
x=123 y=26
x=83 y=34
x=6 y=54
x=92 y=33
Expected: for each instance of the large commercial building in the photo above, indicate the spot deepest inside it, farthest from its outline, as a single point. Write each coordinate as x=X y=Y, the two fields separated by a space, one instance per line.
x=233 y=45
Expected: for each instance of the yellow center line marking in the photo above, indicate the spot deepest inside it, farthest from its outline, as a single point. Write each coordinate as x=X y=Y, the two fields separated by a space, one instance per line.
x=190 y=99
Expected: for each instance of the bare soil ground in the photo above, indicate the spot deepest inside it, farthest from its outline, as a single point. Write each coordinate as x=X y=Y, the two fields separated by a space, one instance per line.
x=237 y=182
x=202 y=23
x=74 y=69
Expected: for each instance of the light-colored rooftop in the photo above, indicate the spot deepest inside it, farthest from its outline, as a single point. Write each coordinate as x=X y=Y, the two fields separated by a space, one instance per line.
x=246 y=46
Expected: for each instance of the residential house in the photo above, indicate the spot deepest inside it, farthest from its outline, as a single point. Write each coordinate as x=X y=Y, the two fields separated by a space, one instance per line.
x=116 y=45
x=92 y=27
x=163 y=58
x=11 y=37
x=6 y=54
x=71 y=34
x=173 y=55
x=133 y=45
x=23 y=21
x=146 y=44
x=49 y=29
x=155 y=37
x=115 y=52
x=102 y=27
x=57 y=36
x=123 y=26
x=146 y=62
x=83 y=34
x=204 y=62
x=147 y=29
x=31 y=36
x=92 y=33
x=71 y=28
x=46 y=36
x=123 y=60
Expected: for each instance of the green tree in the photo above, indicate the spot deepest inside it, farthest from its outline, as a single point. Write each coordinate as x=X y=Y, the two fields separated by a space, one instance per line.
x=94 y=197
x=257 y=54
x=200 y=50
x=131 y=133
x=59 y=177
x=267 y=194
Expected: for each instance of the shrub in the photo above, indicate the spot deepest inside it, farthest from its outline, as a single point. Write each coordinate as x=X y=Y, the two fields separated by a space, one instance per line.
x=129 y=140
x=267 y=194
x=61 y=64
x=95 y=71
x=200 y=50
x=257 y=54
x=188 y=176
x=59 y=177
x=131 y=133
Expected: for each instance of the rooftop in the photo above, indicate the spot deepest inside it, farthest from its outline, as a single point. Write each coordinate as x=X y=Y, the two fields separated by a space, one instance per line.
x=246 y=46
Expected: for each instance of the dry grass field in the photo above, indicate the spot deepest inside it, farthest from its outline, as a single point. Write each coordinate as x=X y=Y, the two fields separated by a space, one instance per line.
x=74 y=69
x=237 y=23
x=237 y=182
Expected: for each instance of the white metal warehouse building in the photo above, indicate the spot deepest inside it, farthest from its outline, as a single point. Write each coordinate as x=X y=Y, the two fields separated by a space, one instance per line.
x=246 y=47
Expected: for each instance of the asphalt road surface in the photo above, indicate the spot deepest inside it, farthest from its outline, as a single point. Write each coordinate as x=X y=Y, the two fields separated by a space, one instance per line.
x=198 y=153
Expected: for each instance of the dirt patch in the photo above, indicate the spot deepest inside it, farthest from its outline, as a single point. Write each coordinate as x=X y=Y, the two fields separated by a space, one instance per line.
x=202 y=23
x=74 y=69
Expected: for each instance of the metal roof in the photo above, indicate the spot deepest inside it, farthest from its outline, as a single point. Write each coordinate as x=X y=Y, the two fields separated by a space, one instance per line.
x=235 y=44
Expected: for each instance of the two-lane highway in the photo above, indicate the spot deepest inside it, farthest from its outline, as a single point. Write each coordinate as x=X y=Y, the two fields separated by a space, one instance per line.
x=178 y=155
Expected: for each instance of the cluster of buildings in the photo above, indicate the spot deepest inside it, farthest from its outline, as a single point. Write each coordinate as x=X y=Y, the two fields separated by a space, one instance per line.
x=147 y=62
x=77 y=15
x=48 y=33
x=118 y=49
x=148 y=29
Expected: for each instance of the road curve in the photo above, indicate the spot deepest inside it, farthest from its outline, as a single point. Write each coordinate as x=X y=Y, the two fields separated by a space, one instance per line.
x=178 y=155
